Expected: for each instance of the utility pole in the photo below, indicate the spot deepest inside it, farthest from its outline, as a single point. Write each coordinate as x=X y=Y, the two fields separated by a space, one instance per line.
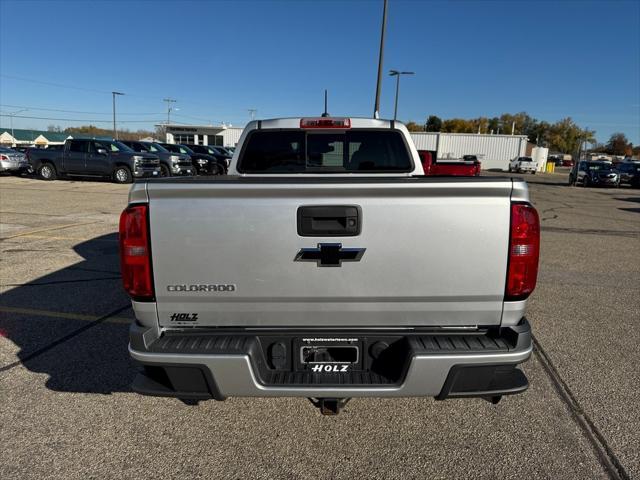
x=115 y=132
x=376 y=108
x=397 y=74
x=252 y=113
x=169 y=102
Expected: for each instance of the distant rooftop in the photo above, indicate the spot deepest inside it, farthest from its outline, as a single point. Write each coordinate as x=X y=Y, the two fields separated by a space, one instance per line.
x=26 y=135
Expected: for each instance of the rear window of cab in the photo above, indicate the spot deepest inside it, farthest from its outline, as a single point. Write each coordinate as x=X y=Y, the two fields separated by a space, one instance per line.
x=300 y=151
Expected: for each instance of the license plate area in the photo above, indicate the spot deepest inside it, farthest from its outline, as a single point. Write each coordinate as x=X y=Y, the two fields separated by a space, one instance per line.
x=329 y=354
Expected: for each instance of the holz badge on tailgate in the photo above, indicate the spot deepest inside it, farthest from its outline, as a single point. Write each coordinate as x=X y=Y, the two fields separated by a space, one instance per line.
x=330 y=368
x=184 y=317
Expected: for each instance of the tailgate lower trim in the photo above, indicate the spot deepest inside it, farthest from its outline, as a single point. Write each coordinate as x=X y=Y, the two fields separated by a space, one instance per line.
x=233 y=365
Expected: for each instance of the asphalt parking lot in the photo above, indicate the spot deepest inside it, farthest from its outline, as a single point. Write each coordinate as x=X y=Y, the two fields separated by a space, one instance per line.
x=67 y=411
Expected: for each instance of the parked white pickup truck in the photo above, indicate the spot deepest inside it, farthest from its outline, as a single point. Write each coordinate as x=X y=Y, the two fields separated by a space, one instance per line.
x=304 y=272
x=523 y=165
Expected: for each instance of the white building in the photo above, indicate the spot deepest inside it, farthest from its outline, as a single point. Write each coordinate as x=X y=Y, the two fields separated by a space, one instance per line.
x=225 y=136
x=494 y=151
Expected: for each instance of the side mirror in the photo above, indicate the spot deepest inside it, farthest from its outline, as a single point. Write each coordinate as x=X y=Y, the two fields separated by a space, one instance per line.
x=101 y=151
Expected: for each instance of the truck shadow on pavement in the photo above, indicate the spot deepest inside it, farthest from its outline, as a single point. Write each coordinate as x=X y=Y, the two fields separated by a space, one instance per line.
x=72 y=324
x=629 y=199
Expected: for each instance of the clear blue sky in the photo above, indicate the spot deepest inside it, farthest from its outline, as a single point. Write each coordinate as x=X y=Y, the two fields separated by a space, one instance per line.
x=218 y=59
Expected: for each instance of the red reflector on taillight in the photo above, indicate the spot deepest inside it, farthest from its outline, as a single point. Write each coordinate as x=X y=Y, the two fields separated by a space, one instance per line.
x=524 y=251
x=325 y=122
x=135 y=257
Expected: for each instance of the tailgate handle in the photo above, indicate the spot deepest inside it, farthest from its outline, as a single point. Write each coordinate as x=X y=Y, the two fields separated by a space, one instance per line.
x=329 y=221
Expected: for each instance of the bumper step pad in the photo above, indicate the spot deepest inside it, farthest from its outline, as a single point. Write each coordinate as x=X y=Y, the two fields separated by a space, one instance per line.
x=376 y=365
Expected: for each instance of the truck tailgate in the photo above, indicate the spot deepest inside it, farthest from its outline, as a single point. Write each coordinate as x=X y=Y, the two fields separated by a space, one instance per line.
x=435 y=253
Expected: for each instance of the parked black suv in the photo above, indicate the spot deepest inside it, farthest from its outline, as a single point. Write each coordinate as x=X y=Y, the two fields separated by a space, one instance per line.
x=170 y=163
x=93 y=158
x=594 y=174
x=218 y=152
x=629 y=172
x=205 y=164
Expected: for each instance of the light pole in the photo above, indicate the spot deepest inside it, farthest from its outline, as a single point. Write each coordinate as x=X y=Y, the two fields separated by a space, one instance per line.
x=376 y=107
x=113 y=95
x=397 y=74
x=11 y=115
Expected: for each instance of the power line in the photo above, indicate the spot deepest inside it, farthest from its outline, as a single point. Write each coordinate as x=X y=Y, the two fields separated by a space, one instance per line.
x=200 y=119
x=14 y=77
x=74 y=111
x=76 y=119
x=106 y=92
x=72 y=87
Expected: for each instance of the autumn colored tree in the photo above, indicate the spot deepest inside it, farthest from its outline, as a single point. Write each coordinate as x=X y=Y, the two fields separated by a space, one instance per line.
x=563 y=136
x=458 y=125
x=414 y=127
x=618 y=144
x=93 y=131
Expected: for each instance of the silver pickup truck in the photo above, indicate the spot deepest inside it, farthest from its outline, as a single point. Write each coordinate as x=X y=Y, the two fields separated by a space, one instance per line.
x=327 y=266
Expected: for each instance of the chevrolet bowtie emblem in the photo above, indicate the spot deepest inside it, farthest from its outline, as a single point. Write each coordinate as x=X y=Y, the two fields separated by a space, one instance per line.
x=330 y=255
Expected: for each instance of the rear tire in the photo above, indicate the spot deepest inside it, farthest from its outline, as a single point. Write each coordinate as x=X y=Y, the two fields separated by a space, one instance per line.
x=47 y=172
x=122 y=174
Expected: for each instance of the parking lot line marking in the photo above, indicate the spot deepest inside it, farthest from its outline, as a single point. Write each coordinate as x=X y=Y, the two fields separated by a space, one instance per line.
x=54 y=237
x=605 y=454
x=3 y=212
x=65 y=315
x=58 y=227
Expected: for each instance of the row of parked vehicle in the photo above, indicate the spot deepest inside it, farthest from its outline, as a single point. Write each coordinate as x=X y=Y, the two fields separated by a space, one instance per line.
x=122 y=161
x=605 y=174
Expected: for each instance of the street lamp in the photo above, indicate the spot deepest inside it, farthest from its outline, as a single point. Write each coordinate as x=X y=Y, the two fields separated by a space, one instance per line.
x=115 y=132
x=11 y=115
x=397 y=74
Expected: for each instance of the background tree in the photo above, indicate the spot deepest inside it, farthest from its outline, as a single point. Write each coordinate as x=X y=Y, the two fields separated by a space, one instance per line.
x=493 y=125
x=93 y=131
x=54 y=128
x=161 y=133
x=434 y=124
x=567 y=137
x=414 y=127
x=480 y=125
x=538 y=133
x=458 y=125
x=618 y=144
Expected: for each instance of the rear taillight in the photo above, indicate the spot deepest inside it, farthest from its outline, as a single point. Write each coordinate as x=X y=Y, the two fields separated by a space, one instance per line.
x=524 y=251
x=135 y=255
x=4 y=157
